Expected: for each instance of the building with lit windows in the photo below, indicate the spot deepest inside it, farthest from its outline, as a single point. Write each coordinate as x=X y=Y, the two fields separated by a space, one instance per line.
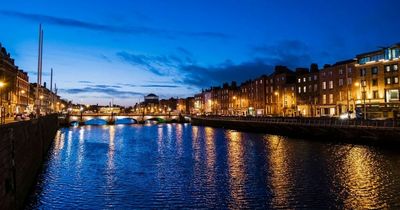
x=307 y=91
x=377 y=83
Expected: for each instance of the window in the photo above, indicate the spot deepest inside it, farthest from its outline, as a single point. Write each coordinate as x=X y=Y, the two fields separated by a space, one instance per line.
x=375 y=94
x=340 y=71
x=315 y=87
x=374 y=70
x=349 y=70
x=340 y=82
x=323 y=85
x=331 y=84
x=340 y=96
x=299 y=80
x=315 y=77
x=330 y=73
x=349 y=81
x=392 y=95
x=304 y=79
x=387 y=68
x=363 y=83
x=324 y=99
x=305 y=89
x=395 y=80
x=299 y=89
x=388 y=81
x=309 y=78
x=374 y=82
x=331 y=98
x=363 y=72
x=395 y=67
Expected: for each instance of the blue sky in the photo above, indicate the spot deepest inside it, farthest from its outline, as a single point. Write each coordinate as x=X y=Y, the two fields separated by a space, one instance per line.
x=121 y=50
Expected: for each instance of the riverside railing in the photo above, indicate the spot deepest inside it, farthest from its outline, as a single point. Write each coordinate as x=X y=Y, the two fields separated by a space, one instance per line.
x=321 y=121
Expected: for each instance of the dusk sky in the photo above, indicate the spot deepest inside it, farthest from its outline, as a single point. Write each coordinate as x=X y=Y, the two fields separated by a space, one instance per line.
x=122 y=50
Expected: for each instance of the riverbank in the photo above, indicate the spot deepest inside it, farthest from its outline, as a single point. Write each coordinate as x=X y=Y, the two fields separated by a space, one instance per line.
x=23 y=147
x=359 y=132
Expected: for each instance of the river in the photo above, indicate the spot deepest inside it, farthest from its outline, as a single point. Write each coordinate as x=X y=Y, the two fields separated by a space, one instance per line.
x=185 y=166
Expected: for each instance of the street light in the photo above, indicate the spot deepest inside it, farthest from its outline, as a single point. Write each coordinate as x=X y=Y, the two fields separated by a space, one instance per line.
x=363 y=95
x=277 y=103
x=2 y=84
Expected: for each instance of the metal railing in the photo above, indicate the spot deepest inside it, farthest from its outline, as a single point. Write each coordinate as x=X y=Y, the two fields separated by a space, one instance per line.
x=321 y=121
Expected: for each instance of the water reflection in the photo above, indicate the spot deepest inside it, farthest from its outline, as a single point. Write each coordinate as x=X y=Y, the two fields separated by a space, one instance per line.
x=183 y=166
x=280 y=181
x=363 y=179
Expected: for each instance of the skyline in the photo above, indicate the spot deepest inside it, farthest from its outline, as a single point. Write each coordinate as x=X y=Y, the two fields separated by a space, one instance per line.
x=151 y=49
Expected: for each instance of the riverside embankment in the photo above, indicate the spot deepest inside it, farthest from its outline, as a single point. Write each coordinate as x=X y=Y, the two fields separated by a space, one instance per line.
x=349 y=131
x=23 y=147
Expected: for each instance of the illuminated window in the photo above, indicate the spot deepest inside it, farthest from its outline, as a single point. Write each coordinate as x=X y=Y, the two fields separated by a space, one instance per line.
x=388 y=81
x=395 y=80
x=299 y=80
x=299 y=89
x=331 y=98
x=363 y=83
x=305 y=89
x=392 y=95
x=324 y=99
x=387 y=68
x=395 y=67
x=324 y=85
x=331 y=84
x=304 y=79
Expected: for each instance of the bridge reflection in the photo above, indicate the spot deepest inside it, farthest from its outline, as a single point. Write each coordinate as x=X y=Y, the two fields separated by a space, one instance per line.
x=110 y=119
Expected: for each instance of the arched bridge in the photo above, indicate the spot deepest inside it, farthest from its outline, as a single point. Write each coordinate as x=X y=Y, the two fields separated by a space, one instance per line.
x=85 y=118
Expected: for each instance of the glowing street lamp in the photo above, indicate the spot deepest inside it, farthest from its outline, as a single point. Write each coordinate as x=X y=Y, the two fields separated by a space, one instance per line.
x=2 y=84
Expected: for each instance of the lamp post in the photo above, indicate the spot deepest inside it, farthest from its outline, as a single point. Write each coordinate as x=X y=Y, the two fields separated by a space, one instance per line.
x=277 y=103
x=19 y=97
x=363 y=95
x=40 y=104
x=2 y=84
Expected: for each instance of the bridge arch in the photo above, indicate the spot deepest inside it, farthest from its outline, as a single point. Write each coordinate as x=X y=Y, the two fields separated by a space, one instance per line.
x=95 y=121
x=125 y=120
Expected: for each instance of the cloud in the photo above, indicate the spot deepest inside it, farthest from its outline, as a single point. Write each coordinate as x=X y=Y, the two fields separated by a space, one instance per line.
x=132 y=30
x=107 y=91
x=159 y=65
x=291 y=53
x=35 y=73
x=160 y=86
x=151 y=85
x=85 y=82
x=105 y=86
x=203 y=77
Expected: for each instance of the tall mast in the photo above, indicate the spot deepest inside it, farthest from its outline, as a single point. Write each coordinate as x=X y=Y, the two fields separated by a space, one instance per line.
x=37 y=101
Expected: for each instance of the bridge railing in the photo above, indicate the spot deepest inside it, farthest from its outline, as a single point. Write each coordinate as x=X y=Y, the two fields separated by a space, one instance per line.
x=312 y=121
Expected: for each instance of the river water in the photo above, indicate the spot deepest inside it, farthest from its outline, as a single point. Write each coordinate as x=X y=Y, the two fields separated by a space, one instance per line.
x=185 y=166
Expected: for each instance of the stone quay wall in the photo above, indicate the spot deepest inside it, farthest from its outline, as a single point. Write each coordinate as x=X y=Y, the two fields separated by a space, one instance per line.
x=23 y=147
x=357 y=132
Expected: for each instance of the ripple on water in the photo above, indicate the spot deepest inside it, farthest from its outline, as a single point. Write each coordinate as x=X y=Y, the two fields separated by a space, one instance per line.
x=176 y=166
